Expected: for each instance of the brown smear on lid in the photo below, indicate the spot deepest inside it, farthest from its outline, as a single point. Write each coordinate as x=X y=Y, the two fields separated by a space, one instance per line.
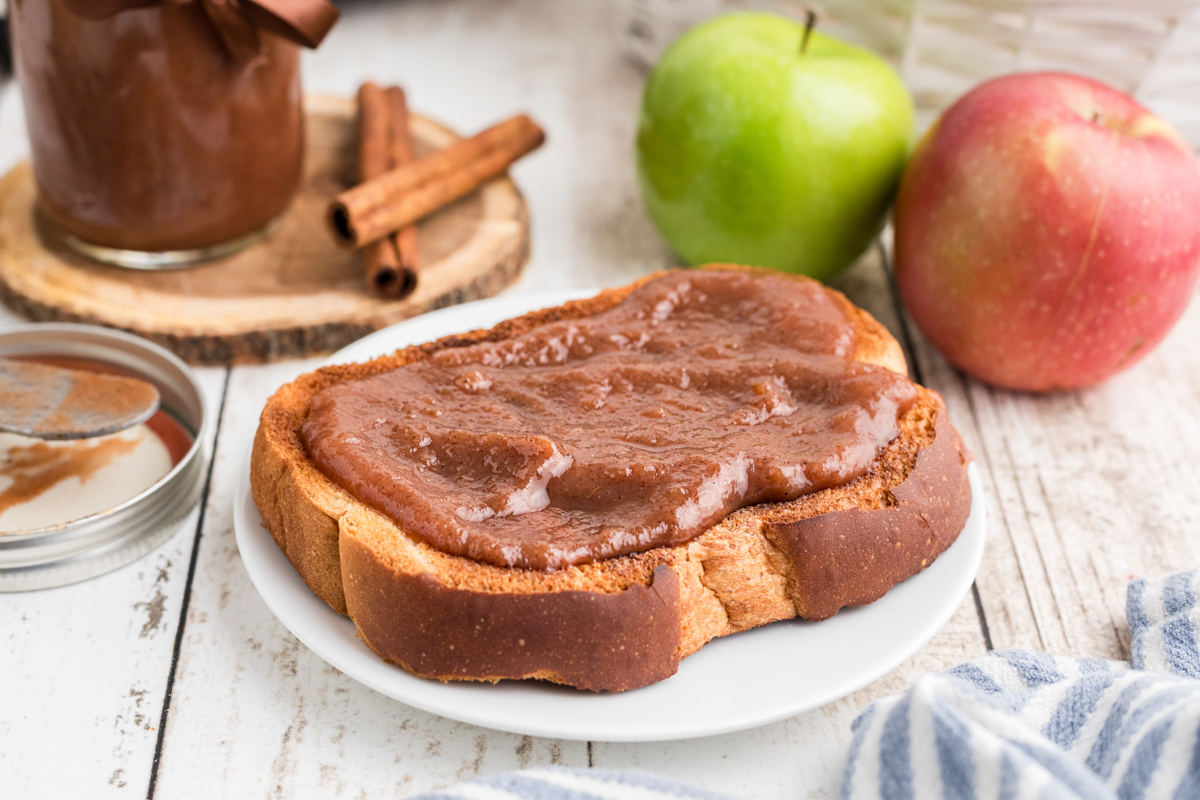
x=85 y=399
x=174 y=435
x=39 y=467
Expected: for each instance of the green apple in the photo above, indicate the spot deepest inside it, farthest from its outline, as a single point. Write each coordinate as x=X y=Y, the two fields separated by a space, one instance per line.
x=759 y=146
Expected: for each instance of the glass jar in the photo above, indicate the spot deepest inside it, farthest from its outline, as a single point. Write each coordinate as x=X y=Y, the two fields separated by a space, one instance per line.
x=161 y=133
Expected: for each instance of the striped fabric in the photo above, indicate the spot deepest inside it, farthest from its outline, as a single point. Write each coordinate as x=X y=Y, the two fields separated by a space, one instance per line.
x=1164 y=619
x=1018 y=724
x=1013 y=725
x=557 y=783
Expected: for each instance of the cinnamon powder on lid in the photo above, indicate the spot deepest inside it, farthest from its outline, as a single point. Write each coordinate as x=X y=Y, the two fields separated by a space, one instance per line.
x=87 y=398
x=36 y=477
x=40 y=466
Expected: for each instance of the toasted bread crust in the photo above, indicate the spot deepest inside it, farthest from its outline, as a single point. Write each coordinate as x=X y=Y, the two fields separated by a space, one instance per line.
x=623 y=622
x=853 y=556
x=592 y=640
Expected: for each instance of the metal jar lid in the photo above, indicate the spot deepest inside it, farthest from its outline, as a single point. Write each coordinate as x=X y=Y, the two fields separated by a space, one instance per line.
x=93 y=545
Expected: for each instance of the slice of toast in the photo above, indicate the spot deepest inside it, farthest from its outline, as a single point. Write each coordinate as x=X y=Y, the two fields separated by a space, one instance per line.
x=623 y=622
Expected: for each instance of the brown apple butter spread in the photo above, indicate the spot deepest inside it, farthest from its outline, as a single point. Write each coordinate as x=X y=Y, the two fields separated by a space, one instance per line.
x=160 y=126
x=701 y=393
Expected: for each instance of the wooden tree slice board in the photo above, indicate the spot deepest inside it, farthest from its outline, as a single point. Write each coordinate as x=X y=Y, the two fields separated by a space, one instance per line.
x=294 y=294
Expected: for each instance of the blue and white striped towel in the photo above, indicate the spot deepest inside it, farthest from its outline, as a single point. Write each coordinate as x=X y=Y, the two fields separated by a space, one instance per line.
x=557 y=783
x=1018 y=724
x=1014 y=724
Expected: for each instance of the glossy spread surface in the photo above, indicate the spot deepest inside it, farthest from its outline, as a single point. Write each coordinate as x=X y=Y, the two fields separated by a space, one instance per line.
x=154 y=130
x=642 y=426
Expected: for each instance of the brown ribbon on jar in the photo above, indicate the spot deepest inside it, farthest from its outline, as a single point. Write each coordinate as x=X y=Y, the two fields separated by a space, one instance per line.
x=238 y=22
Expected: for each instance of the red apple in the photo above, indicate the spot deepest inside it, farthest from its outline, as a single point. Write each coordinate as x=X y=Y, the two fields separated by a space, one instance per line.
x=1048 y=231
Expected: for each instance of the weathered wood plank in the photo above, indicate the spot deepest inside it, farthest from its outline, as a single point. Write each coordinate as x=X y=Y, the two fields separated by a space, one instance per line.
x=254 y=713
x=85 y=669
x=1086 y=489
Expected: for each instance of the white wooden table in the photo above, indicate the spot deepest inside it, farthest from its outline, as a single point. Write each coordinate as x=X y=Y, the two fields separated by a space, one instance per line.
x=170 y=678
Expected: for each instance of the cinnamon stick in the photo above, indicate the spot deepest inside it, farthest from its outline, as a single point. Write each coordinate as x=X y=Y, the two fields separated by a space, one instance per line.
x=400 y=152
x=400 y=197
x=381 y=258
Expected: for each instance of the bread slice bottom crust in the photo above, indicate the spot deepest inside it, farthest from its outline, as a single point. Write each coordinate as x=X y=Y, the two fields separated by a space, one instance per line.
x=624 y=622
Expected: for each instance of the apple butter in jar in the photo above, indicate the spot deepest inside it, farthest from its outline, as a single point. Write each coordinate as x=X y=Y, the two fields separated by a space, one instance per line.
x=164 y=132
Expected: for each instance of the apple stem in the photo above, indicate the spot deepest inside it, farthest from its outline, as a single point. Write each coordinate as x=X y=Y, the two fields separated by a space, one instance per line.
x=810 y=22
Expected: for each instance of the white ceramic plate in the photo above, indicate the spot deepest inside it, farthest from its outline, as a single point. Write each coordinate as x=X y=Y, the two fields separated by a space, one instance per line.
x=746 y=680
